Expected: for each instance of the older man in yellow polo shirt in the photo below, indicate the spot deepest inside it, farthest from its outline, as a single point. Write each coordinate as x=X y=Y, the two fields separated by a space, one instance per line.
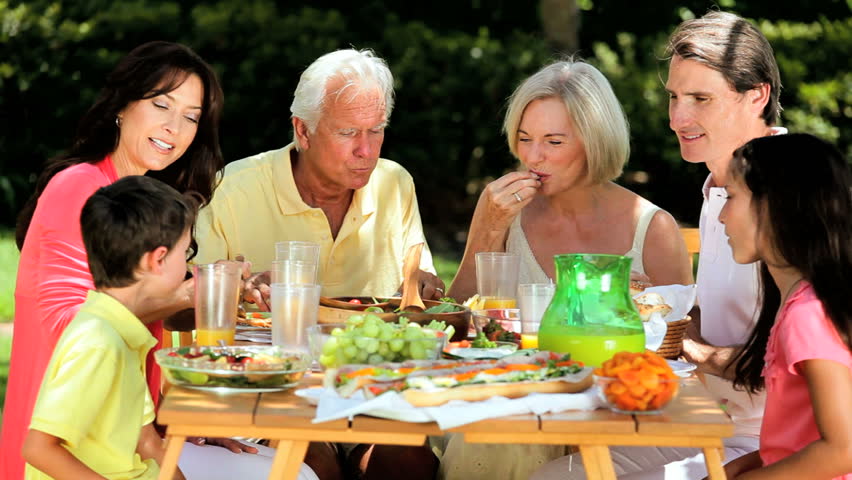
x=329 y=186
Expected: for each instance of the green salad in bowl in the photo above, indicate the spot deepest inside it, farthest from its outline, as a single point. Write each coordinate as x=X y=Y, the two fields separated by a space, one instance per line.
x=239 y=368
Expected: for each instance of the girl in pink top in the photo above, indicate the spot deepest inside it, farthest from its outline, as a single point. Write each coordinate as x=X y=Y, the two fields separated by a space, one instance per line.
x=159 y=113
x=789 y=203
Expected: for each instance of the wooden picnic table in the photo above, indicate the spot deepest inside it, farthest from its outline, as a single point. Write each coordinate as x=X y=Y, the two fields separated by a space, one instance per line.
x=692 y=420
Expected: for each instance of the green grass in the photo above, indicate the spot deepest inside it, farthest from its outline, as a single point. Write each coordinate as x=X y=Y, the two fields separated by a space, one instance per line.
x=5 y=351
x=8 y=271
x=446 y=264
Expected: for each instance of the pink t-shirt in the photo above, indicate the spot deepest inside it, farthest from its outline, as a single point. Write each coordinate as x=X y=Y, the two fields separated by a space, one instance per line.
x=53 y=281
x=802 y=331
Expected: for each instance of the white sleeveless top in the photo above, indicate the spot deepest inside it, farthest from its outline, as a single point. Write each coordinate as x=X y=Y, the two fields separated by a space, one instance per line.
x=530 y=270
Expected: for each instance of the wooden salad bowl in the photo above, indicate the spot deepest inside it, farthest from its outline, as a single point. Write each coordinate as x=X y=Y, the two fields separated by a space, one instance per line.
x=460 y=320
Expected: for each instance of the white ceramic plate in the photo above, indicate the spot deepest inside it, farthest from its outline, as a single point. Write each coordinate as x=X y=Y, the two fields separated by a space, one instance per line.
x=681 y=369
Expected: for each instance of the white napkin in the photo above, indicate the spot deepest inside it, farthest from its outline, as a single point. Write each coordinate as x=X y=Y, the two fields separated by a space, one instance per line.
x=391 y=405
x=681 y=298
x=655 y=331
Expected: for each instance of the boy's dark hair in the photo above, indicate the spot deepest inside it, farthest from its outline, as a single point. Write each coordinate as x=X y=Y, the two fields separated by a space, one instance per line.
x=801 y=190
x=123 y=221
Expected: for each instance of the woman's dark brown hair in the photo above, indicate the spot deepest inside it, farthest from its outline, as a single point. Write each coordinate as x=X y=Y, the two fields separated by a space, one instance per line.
x=149 y=70
x=801 y=192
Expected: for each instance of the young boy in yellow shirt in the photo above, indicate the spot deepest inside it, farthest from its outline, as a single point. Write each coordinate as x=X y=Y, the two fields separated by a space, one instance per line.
x=94 y=416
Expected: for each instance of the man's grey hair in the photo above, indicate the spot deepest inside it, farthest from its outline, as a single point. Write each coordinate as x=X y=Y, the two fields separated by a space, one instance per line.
x=361 y=70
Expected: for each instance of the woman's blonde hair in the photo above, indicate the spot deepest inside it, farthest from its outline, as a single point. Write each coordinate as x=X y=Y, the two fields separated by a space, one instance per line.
x=591 y=104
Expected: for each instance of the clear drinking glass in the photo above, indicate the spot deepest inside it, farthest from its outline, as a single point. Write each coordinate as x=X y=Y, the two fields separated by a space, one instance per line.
x=294 y=309
x=294 y=271
x=297 y=250
x=497 y=278
x=217 y=294
x=533 y=299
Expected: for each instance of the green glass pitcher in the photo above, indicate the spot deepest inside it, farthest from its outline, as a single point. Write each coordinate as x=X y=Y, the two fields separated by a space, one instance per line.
x=592 y=315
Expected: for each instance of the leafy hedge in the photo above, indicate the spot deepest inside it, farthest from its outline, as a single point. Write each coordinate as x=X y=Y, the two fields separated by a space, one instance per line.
x=455 y=63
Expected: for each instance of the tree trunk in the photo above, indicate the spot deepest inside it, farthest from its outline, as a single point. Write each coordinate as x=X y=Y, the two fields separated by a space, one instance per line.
x=560 y=20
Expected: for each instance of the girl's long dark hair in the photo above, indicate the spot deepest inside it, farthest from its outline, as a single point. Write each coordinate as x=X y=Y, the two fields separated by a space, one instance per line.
x=149 y=70
x=801 y=189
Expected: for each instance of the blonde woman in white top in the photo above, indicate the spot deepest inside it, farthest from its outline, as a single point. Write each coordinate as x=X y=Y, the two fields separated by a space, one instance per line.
x=569 y=132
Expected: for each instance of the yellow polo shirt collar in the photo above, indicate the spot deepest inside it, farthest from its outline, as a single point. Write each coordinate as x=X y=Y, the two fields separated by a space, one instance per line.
x=134 y=333
x=291 y=203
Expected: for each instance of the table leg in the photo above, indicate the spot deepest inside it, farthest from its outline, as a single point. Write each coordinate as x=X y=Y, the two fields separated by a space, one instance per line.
x=174 y=445
x=713 y=460
x=598 y=462
x=288 y=459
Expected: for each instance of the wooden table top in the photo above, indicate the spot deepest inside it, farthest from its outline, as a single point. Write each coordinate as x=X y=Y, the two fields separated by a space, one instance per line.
x=692 y=413
x=692 y=420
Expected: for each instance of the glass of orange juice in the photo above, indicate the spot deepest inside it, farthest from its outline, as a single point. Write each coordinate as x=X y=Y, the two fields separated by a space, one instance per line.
x=217 y=294
x=497 y=279
x=533 y=299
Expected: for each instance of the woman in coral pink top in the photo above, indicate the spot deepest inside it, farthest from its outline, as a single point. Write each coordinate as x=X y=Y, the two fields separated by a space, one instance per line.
x=789 y=198
x=159 y=113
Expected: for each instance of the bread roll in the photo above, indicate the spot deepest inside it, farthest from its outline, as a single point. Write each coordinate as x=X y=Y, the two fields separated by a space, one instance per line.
x=637 y=287
x=649 y=303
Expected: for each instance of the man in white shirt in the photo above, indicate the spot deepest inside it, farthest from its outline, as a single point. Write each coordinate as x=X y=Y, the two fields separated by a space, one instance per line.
x=724 y=86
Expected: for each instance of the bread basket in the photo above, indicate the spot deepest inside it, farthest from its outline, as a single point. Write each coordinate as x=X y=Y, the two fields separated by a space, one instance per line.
x=673 y=341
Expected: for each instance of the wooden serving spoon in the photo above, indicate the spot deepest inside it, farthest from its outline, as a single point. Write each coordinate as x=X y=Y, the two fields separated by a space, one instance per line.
x=411 y=301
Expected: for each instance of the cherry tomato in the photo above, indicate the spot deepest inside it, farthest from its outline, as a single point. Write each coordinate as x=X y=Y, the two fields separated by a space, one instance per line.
x=355 y=301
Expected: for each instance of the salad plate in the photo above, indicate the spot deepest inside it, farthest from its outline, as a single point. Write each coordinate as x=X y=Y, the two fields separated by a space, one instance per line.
x=233 y=368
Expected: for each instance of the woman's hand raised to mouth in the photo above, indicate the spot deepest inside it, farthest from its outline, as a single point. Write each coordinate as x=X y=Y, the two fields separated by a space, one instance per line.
x=503 y=199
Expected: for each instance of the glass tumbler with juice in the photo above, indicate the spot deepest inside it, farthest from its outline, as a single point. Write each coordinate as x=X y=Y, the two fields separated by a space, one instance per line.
x=497 y=279
x=592 y=315
x=499 y=302
x=217 y=291
x=533 y=299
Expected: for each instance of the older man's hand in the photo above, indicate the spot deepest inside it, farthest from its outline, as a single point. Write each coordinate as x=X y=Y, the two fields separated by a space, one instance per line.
x=431 y=287
x=256 y=290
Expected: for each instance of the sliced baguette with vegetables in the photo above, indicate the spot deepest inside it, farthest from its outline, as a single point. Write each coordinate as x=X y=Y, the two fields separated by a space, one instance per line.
x=432 y=383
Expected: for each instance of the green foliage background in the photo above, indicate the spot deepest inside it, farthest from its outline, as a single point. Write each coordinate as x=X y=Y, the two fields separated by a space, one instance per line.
x=454 y=62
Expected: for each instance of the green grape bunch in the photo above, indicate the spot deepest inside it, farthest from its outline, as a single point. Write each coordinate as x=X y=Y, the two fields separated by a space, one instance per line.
x=368 y=339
